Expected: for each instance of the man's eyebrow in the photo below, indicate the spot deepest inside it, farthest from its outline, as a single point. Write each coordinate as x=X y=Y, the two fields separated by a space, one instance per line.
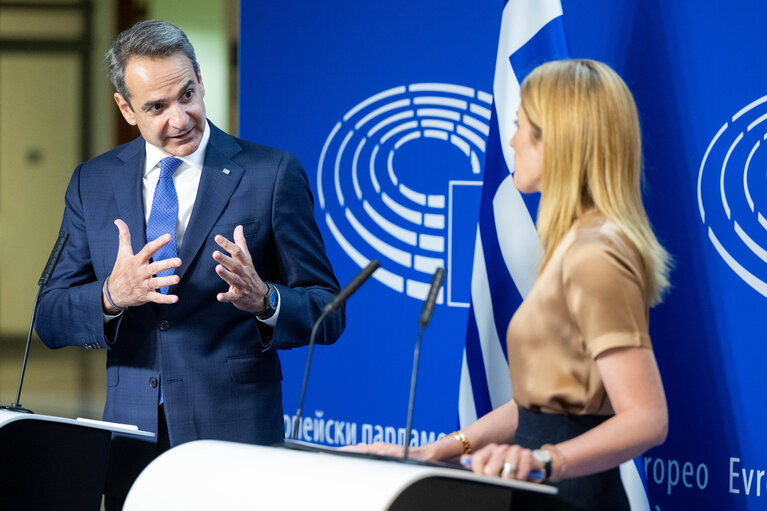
x=149 y=104
x=186 y=87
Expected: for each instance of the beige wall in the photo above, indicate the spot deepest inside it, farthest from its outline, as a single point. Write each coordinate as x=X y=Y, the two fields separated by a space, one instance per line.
x=103 y=106
x=39 y=143
x=40 y=146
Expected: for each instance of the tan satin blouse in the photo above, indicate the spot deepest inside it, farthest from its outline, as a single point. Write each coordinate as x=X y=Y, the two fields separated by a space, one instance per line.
x=590 y=298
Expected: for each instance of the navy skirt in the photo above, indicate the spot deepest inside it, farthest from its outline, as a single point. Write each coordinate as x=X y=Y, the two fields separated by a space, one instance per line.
x=603 y=491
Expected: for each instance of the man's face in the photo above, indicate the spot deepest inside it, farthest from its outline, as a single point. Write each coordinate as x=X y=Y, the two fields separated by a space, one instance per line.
x=166 y=102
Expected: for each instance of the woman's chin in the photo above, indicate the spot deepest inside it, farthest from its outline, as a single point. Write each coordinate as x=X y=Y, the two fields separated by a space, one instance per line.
x=524 y=186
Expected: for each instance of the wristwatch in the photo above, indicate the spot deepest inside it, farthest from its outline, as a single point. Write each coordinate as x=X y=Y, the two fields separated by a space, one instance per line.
x=544 y=456
x=271 y=302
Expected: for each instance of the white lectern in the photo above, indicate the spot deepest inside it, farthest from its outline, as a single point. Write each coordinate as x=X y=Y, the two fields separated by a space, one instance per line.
x=210 y=474
x=56 y=463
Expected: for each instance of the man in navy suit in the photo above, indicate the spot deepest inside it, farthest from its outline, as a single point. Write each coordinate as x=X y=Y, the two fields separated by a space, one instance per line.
x=192 y=338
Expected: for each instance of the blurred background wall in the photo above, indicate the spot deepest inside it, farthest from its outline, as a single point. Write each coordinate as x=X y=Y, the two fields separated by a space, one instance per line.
x=56 y=110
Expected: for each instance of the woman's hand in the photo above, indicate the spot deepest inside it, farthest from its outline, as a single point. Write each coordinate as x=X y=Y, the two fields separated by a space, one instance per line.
x=376 y=448
x=397 y=451
x=506 y=461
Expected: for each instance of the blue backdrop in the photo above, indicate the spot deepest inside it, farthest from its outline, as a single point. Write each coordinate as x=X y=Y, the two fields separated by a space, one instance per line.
x=695 y=69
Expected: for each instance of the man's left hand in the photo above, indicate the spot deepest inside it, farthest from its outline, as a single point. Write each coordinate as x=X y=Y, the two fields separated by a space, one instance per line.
x=246 y=289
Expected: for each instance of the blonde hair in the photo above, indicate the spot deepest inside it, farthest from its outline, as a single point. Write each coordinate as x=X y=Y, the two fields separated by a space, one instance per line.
x=592 y=157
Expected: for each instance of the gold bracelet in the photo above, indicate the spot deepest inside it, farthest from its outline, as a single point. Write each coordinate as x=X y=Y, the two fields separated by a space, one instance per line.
x=561 y=462
x=458 y=435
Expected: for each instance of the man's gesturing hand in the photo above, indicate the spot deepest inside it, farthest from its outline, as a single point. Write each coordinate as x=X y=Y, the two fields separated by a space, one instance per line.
x=246 y=289
x=132 y=281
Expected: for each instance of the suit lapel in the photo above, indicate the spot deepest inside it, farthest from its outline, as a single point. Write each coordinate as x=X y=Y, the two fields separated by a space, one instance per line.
x=220 y=177
x=126 y=182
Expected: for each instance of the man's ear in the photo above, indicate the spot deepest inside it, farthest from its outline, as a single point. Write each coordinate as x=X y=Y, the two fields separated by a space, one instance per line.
x=199 y=81
x=125 y=109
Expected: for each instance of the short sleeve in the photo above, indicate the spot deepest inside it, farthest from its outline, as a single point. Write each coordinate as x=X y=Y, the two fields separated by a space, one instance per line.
x=604 y=286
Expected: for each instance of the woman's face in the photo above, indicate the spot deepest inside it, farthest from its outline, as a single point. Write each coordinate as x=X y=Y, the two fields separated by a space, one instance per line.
x=528 y=156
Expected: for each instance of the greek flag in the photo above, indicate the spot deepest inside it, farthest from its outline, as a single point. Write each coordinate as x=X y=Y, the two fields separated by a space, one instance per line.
x=507 y=251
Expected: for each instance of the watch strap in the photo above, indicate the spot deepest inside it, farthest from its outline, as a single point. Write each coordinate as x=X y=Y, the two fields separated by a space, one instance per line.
x=544 y=456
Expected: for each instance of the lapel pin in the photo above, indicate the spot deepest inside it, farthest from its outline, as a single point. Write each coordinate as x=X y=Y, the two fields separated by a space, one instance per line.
x=226 y=171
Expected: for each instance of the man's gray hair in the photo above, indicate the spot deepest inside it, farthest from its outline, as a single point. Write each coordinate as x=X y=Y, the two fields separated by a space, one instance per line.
x=149 y=38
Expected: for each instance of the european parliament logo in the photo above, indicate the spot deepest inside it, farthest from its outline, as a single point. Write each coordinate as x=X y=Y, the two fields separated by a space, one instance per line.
x=399 y=180
x=732 y=193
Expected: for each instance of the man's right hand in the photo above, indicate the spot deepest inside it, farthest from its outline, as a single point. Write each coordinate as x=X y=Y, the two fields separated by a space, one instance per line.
x=133 y=280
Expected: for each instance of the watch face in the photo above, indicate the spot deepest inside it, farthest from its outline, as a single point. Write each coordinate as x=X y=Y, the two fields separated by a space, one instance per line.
x=273 y=297
x=542 y=455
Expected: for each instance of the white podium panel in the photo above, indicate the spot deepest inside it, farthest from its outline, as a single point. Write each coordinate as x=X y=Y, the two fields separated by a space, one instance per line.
x=209 y=474
x=8 y=417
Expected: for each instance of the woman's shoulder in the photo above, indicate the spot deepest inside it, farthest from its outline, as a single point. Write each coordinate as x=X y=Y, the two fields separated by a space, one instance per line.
x=594 y=231
x=596 y=242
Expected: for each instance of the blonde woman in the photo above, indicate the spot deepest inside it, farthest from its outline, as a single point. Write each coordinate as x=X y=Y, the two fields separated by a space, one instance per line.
x=587 y=392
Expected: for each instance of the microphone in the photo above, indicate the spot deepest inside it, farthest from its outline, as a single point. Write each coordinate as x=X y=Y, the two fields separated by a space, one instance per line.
x=44 y=278
x=431 y=299
x=344 y=295
x=423 y=322
x=53 y=259
x=352 y=286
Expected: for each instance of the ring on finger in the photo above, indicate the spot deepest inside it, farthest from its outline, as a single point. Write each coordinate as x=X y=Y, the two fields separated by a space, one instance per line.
x=508 y=469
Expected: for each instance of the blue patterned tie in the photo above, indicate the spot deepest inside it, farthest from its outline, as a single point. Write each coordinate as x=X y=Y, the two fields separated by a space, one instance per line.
x=164 y=214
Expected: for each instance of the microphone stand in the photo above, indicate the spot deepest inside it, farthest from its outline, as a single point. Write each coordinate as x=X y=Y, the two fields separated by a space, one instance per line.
x=297 y=422
x=16 y=406
x=423 y=322
x=52 y=260
x=345 y=293
x=413 y=378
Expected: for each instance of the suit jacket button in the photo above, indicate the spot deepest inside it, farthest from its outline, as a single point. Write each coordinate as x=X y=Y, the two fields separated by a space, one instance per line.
x=163 y=325
x=153 y=382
